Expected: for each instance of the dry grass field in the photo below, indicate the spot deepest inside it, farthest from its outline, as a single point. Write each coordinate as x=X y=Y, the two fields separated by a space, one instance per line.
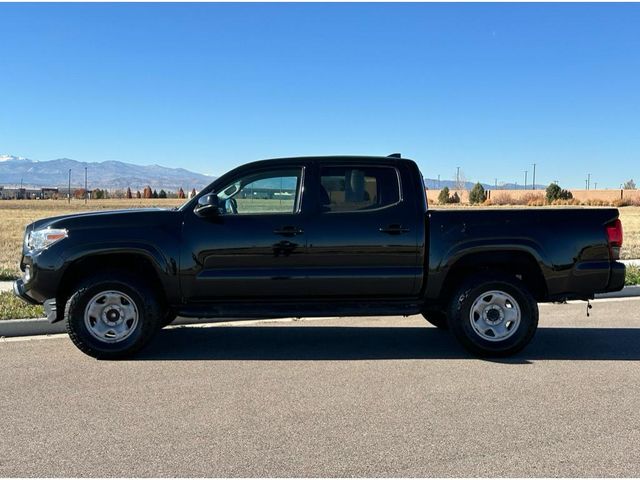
x=630 y=217
x=16 y=214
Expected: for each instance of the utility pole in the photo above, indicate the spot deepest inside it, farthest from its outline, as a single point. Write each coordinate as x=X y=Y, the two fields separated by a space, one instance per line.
x=85 y=185
x=525 y=179
x=69 y=191
x=458 y=179
x=534 y=176
x=588 y=181
x=496 y=183
x=595 y=185
x=438 y=180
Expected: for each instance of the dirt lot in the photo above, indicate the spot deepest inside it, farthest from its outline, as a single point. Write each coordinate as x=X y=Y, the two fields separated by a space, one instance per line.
x=16 y=214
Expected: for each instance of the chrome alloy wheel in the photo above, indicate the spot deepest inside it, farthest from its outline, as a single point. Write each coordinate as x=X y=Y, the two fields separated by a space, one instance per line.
x=495 y=316
x=111 y=316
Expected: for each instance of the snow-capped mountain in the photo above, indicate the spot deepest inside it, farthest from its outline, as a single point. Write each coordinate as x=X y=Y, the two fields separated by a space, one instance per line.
x=9 y=158
x=110 y=174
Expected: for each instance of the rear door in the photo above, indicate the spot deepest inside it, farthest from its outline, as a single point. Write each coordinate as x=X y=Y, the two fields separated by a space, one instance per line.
x=362 y=241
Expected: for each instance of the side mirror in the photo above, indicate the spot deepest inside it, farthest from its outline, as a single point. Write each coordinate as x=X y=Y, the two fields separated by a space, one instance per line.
x=208 y=206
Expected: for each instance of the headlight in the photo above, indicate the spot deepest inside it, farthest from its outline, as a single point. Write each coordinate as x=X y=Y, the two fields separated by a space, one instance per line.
x=41 y=239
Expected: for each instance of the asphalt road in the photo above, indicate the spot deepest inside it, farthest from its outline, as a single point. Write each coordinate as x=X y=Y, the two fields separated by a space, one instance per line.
x=331 y=397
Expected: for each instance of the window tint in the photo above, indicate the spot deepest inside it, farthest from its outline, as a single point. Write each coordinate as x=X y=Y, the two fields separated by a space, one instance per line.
x=348 y=189
x=273 y=191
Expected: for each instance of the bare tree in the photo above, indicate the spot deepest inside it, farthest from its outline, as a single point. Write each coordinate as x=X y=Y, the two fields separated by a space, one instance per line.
x=461 y=179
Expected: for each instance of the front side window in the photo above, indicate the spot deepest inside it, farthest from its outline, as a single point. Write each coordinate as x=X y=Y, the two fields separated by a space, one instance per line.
x=274 y=191
x=351 y=189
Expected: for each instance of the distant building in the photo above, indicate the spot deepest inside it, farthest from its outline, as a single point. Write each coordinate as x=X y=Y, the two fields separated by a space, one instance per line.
x=14 y=192
x=49 y=192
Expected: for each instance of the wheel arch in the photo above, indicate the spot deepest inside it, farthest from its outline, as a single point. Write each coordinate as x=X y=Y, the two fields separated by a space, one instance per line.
x=520 y=264
x=132 y=263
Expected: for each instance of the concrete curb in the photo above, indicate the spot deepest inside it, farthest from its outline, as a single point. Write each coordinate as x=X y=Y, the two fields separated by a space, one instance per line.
x=25 y=327
x=40 y=326
x=634 y=262
x=630 y=291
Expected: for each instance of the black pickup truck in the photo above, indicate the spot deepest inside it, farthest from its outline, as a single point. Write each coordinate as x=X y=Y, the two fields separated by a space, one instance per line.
x=304 y=237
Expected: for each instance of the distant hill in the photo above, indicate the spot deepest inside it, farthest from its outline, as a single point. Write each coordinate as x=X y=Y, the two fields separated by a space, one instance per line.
x=110 y=174
x=433 y=184
x=120 y=175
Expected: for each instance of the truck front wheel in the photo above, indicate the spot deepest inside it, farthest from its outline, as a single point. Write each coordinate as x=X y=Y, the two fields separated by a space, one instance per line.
x=112 y=316
x=493 y=316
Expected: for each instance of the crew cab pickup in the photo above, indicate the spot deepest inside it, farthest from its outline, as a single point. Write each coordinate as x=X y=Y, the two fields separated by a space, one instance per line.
x=318 y=236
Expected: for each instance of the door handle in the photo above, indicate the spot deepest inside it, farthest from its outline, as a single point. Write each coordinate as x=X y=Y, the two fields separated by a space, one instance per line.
x=288 y=231
x=394 y=229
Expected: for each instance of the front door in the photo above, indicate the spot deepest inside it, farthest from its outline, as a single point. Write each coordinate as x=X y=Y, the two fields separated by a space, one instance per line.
x=255 y=247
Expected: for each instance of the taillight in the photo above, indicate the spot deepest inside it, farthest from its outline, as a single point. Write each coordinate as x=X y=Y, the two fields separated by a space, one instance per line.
x=614 y=238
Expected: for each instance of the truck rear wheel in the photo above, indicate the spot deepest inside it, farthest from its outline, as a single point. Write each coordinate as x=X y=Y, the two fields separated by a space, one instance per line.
x=436 y=318
x=493 y=316
x=112 y=315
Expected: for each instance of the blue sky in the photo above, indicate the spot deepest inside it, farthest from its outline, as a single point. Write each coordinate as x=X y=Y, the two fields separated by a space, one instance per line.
x=491 y=88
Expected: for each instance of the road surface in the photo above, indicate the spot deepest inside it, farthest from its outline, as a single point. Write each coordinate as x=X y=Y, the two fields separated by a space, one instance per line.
x=331 y=397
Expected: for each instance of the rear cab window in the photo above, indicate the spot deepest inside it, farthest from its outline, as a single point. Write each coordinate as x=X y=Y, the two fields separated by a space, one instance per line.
x=358 y=188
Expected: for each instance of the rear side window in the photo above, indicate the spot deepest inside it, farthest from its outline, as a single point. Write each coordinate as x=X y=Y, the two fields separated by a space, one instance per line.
x=356 y=188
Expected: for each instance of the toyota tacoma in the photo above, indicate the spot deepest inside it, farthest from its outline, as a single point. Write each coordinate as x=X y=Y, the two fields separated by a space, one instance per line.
x=317 y=236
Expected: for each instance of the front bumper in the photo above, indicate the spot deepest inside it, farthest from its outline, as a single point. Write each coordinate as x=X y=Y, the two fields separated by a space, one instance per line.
x=50 y=305
x=20 y=291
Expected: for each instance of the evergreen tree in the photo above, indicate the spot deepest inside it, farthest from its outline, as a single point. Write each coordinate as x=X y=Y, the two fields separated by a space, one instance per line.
x=477 y=194
x=443 y=196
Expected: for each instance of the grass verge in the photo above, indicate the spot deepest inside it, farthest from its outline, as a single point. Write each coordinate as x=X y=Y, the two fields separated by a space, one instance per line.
x=12 y=307
x=8 y=274
x=633 y=275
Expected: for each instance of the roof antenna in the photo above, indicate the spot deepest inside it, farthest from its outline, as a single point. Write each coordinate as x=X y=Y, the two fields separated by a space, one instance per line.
x=395 y=155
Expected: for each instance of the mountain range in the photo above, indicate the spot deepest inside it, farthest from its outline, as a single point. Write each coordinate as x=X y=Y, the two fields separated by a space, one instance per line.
x=110 y=174
x=433 y=184
x=120 y=175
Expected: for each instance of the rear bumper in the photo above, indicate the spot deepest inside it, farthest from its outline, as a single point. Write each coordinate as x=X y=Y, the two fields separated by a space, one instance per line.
x=617 y=277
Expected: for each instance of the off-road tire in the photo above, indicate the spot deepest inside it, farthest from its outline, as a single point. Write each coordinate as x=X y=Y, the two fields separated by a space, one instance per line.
x=465 y=298
x=146 y=302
